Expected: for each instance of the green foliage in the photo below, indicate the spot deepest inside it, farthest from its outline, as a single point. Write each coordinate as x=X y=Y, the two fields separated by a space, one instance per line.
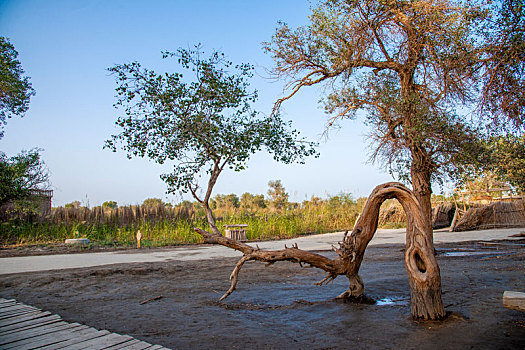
x=21 y=174
x=448 y=141
x=411 y=65
x=175 y=226
x=508 y=159
x=278 y=194
x=73 y=205
x=202 y=122
x=15 y=88
x=503 y=83
x=153 y=202
x=230 y=201
x=252 y=202
x=110 y=204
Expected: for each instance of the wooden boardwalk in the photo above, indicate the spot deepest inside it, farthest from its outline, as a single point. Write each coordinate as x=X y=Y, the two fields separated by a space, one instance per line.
x=26 y=327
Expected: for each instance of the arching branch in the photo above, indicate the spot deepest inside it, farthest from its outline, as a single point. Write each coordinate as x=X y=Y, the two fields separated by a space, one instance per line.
x=421 y=265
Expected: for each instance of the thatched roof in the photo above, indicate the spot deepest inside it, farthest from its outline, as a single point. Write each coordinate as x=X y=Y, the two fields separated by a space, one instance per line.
x=498 y=214
x=391 y=214
x=442 y=215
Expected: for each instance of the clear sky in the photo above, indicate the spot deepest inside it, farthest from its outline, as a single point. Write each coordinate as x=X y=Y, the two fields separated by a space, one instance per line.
x=66 y=47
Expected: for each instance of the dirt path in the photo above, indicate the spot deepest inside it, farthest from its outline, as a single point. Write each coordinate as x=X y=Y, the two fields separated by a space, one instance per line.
x=29 y=259
x=280 y=308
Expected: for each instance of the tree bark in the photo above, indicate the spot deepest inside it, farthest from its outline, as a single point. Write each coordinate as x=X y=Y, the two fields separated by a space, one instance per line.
x=420 y=262
x=420 y=174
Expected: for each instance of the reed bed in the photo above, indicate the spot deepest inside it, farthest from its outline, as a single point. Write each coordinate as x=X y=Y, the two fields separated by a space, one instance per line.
x=165 y=225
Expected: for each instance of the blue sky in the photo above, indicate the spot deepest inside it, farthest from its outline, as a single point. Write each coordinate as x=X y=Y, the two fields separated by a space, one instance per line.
x=66 y=47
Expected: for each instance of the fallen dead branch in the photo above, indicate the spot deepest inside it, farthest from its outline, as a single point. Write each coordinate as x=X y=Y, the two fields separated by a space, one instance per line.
x=152 y=299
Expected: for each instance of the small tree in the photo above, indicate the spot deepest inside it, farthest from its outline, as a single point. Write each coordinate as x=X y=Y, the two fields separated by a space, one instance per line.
x=73 y=205
x=252 y=202
x=15 y=88
x=21 y=175
x=503 y=159
x=110 y=205
x=153 y=202
x=203 y=123
x=508 y=159
x=278 y=194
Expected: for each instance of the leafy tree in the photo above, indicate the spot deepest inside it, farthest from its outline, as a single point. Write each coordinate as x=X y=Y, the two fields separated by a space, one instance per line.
x=15 y=88
x=221 y=201
x=503 y=63
x=110 y=205
x=507 y=159
x=203 y=123
x=73 y=205
x=153 y=202
x=22 y=175
x=278 y=194
x=252 y=202
x=408 y=64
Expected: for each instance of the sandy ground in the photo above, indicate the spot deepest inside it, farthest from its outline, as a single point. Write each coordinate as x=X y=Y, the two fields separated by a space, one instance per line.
x=279 y=307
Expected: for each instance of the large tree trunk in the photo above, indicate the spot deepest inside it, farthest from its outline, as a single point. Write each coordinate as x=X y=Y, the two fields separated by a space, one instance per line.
x=421 y=184
x=421 y=265
x=421 y=164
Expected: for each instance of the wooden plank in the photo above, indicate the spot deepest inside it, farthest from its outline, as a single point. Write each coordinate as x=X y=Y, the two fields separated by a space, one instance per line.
x=9 y=315
x=32 y=323
x=26 y=327
x=12 y=313
x=58 y=335
x=514 y=300
x=49 y=322
x=90 y=333
x=22 y=311
x=23 y=318
x=101 y=342
x=134 y=344
x=126 y=345
x=31 y=332
x=15 y=339
x=16 y=309
x=16 y=306
x=5 y=305
x=30 y=328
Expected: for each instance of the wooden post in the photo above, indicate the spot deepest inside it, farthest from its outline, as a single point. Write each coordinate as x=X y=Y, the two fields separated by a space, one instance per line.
x=139 y=236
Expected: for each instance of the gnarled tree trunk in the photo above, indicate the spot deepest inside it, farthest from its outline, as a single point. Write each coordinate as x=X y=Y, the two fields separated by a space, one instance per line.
x=420 y=262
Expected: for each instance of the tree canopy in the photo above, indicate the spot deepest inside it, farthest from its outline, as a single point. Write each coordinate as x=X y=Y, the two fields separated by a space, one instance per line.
x=409 y=64
x=153 y=202
x=110 y=204
x=21 y=175
x=277 y=194
x=15 y=88
x=503 y=160
x=503 y=62
x=202 y=122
